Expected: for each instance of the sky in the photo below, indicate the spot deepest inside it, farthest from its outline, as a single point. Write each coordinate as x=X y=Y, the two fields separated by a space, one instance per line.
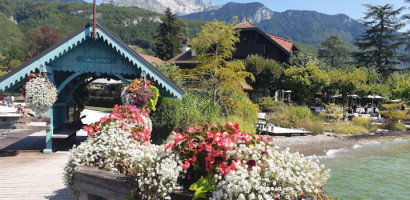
x=352 y=8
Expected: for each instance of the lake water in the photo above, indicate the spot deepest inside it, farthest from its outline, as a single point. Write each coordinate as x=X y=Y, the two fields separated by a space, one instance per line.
x=377 y=170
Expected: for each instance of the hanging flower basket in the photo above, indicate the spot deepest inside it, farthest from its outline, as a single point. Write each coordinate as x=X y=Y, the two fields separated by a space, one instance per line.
x=140 y=93
x=39 y=94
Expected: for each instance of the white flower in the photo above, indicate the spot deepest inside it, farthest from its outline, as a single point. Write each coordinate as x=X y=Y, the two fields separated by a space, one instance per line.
x=40 y=95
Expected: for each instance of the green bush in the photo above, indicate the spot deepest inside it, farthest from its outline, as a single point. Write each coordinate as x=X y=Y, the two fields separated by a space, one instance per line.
x=106 y=102
x=399 y=126
x=268 y=104
x=346 y=128
x=361 y=121
x=164 y=119
x=197 y=109
x=303 y=112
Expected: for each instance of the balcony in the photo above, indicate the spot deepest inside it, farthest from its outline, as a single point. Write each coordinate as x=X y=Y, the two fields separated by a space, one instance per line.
x=243 y=51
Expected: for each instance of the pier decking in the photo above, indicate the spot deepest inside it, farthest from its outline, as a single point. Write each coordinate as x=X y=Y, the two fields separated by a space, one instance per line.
x=33 y=175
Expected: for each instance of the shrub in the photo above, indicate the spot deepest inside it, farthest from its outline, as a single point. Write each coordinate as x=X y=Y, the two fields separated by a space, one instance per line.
x=165 y=119
x=119 y=143
x=399 y=126
x=343 y=128
x=106 y=102
x=237 y=165
x=316 y=127
x=196 y=109
x=268 y=104
x=392 y=113
x=361 y=121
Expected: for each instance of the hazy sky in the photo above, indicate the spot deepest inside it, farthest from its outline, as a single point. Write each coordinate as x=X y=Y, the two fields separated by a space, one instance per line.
x=352 y=8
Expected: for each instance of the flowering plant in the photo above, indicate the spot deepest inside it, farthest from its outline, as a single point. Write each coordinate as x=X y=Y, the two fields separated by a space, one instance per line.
x=140 y=93
x=114 y=149
x=218 y=154
x=131 y=119
x=39 y=93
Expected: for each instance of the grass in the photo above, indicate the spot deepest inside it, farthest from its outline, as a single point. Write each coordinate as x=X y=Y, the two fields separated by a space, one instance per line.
x=346 y=128
x=99 y=108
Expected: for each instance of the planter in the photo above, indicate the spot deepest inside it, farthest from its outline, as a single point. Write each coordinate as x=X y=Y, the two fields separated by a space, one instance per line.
x=91 y=183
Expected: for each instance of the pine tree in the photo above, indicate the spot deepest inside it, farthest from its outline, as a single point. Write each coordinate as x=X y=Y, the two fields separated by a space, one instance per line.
x=381 y=40
x=334 y=51
x=169 y=39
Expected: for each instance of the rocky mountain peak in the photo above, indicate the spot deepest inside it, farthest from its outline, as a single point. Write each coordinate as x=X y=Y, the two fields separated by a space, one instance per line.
x=179 y=7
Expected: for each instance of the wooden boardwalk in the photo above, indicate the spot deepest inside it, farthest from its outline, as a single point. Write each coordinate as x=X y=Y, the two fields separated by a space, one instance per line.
x=32 y=176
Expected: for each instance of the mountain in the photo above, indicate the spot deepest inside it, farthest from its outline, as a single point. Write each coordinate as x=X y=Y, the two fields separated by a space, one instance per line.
x=179 y=7
x=308 y=27
x=135 y=26
x=60 y=0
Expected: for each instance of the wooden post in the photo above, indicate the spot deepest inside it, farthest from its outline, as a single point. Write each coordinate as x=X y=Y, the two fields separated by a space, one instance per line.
x=94 y=18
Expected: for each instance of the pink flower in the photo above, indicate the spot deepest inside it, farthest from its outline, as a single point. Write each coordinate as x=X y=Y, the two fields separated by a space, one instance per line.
x=186 y=165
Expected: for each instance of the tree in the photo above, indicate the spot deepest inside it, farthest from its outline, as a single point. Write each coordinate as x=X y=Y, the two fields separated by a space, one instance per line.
x=266 y=72
x=42 y=39
x=381 y=39
x=217 y=72
x=169 y=39
x=305 y=81
x=347 y=82
x=334 y=51
x=13 y=64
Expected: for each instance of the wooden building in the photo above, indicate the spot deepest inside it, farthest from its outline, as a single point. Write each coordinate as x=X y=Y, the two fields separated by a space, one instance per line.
x=252 y=41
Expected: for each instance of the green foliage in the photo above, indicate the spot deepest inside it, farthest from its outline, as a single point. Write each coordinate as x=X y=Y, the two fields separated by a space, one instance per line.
x=400 y=85
x=347 y=82
x=172 y=71
x=334 y=51
x=266 y=71
x=106 y=102
x=393 y=113
x=10 y=34
x=289 y=116
x=361 y=121
x=305 y=80
x=2 y=73
x=169 y=36
x=165 y=119
x=239 y=105
x=83 y=97
x=346 y=128
x=13 y=64
x=153 y=101
x=204 y=186
x=134 y=25
x=217 y=72
x=381 y=40
x=399 y=126
x=197 y=109
x=268 y=104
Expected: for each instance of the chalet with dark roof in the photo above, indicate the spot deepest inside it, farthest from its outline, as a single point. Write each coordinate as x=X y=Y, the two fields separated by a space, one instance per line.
x=252 y=41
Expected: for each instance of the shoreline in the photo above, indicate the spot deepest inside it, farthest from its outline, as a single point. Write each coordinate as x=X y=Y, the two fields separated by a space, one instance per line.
x=319 y=145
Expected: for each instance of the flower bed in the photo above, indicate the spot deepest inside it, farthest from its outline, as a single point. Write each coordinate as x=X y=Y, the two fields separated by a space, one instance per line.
x=214 y=161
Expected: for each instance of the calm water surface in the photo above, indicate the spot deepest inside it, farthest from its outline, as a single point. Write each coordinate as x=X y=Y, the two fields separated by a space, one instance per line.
x=378 y=170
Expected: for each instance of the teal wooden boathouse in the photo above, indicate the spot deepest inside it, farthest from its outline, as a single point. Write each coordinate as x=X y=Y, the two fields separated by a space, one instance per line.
x=78 y=60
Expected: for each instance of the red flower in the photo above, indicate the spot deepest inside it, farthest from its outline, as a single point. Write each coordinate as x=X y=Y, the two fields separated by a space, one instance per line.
x=251 y=163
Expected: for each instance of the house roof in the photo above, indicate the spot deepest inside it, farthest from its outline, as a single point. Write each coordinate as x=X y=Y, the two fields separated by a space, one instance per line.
x=286 y=44
x=151 y=59
x=77 y=38
x=245 y=24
